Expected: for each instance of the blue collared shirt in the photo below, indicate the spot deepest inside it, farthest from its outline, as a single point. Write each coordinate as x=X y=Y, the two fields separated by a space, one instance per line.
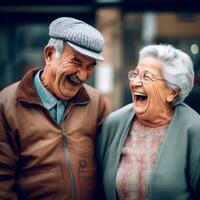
x=55 y=106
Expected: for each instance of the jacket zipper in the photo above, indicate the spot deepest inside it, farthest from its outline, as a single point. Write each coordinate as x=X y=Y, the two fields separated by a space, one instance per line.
x=69 y=166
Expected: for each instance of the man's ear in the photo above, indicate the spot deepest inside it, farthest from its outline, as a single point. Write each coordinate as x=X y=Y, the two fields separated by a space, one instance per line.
x=48 y=54
x=173 y=94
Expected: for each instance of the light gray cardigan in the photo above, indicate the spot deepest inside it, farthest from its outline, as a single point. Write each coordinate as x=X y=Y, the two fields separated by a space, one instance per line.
x=176 y=174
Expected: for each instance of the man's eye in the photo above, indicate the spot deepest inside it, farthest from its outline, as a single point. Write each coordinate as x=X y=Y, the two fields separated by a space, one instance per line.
x=76 y=63
x=91 y=66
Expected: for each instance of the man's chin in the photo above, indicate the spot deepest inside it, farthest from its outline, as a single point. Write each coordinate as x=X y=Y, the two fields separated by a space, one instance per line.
x=69 y=94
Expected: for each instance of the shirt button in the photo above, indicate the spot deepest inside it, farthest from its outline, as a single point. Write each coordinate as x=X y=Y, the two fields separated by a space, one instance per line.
x=82 y=163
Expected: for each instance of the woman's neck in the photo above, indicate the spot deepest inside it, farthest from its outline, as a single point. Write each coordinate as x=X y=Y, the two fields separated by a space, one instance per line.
x=156 y=119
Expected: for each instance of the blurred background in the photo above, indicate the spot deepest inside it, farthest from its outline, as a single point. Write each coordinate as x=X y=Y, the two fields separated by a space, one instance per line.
x=127 y=25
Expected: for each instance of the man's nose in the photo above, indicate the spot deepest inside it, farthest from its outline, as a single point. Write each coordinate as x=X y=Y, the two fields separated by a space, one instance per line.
x=82 y=74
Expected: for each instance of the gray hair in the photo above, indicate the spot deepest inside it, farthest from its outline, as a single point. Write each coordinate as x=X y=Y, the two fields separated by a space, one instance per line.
x=177 y=68
x=57 y=44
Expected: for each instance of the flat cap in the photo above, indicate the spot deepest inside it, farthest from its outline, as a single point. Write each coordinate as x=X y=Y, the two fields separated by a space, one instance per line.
x=79 y=35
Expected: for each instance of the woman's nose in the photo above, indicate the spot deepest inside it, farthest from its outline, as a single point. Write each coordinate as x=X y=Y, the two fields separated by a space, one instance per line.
x=137 y=81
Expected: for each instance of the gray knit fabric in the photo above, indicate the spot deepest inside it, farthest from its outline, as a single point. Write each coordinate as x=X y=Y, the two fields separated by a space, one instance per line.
x=79 y=35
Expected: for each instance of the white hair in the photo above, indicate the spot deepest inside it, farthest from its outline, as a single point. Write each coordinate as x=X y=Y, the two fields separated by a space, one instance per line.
x=57 y=44
x=177 y=67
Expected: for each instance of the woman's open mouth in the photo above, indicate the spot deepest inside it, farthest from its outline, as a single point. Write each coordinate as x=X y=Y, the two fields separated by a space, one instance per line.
x=140 y=97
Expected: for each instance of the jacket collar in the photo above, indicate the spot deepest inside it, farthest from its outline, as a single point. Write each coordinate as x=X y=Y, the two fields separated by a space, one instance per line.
x=26 y=91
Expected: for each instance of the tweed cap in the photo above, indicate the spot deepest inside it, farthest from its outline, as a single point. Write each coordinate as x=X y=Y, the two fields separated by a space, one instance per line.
x=81 y=36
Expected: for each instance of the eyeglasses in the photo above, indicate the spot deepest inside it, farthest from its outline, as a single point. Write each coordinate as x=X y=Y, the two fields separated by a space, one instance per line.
x=146 y=77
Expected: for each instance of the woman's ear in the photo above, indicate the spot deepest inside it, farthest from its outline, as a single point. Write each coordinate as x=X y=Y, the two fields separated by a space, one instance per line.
x=173 y=94
x=48 y=54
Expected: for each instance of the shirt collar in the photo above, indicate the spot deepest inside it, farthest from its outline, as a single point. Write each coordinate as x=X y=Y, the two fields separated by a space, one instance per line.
x=48 y=100
x=30 y=95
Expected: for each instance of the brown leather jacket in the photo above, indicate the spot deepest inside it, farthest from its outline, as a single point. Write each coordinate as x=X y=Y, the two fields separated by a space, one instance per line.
x=40 y=159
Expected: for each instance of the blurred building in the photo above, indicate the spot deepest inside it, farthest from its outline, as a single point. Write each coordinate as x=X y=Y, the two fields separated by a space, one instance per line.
x=127 y=25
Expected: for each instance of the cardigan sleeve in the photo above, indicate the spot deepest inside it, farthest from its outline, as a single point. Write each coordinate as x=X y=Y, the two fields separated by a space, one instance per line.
x=196 y=176
x=101 y=146
x=103 y=140
x=114 y=122
x=194 y=154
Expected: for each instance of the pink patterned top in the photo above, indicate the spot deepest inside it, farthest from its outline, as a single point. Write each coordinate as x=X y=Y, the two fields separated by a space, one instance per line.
x=137 y=160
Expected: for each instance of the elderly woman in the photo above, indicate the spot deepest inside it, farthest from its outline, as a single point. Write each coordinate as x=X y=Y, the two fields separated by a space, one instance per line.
x=150 y=149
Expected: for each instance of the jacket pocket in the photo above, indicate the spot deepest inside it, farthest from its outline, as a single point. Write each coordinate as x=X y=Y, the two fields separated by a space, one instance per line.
x=42 y=183
x=88 y=176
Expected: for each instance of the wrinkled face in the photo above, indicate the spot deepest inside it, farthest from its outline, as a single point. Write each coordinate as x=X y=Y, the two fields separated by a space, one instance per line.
x=150 y=96
x=63 y=76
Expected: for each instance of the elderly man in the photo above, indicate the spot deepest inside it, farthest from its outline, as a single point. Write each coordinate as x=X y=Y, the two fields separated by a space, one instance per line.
x=49 y=120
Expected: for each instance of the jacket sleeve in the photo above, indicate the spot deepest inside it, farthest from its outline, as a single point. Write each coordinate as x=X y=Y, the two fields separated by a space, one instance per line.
x=103 y=110
x=8 y=159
